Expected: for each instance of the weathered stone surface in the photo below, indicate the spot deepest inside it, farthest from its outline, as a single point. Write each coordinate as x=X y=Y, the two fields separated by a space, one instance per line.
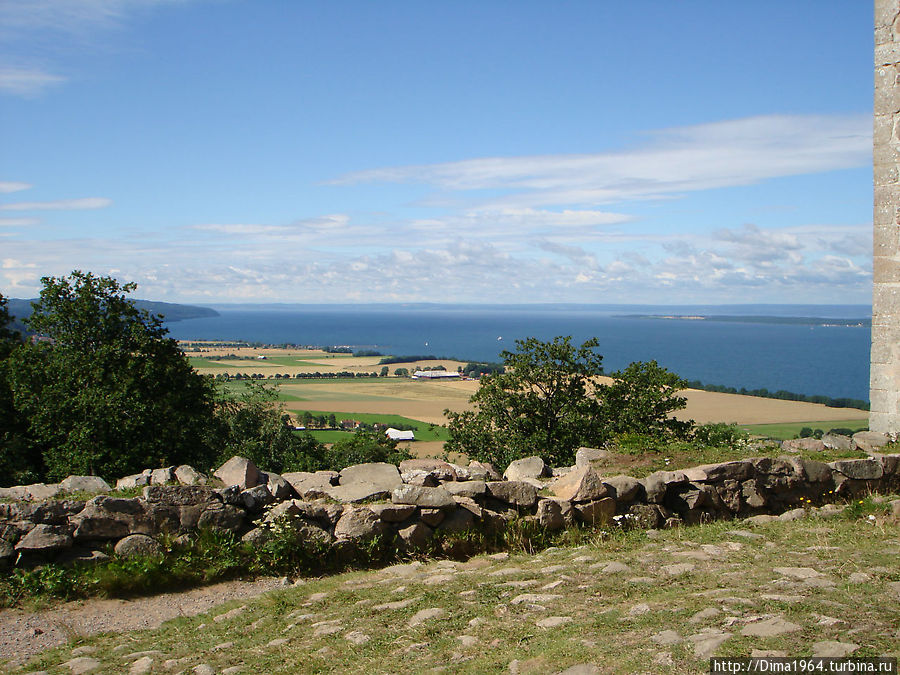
x=162 y=476
x=432 y=517
x=218 y=516
x=383 y=475
x=471 y=505
x=255 y=498
x=187 y=475
x=527 y=467
x=180 y=495
x=583 y=484
x=311 y=485
x=238 y=471
x=751 y=495
x=81 y=665
x=599 y=512
x=468 y=488
x=357 y=492
x=859 y=469
x=133 y=481
x=623 y=489
x=439 y=469
x=837 y=442
x=798 y=444
x=111 y=518
x=84 y=484
x=392 y=513
x=657 y=484
x=516 y=493
x=137 y=545
x=590 y=456
x=833 y=649
x=312 y=534
x=40 y=491
x=16 y=492
x=646 y=516
x=278 y=487
x=551 y=513
x=358 y=523
x=416 y=536
x=811 y=470
x=433 y=497
x=421 y=478
x=869 y=441
x=483 y=471
x=770 y=627
x=458 y=520
x=45 y=538
x=712 y=473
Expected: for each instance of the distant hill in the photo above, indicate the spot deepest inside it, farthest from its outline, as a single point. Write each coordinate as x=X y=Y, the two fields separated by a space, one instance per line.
x=170 y=312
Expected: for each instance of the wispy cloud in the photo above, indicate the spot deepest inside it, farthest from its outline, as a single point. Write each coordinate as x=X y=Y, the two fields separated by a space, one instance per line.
x=59 y=205
x=18 y=222
x=12 y=186
x=27 y=82
x=672 y=162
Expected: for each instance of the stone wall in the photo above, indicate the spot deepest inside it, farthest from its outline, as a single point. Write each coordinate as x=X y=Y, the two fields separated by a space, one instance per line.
x=412 y=505
x=884 y=388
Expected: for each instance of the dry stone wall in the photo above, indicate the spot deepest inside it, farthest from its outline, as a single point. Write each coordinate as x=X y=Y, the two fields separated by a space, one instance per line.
x=414 y=503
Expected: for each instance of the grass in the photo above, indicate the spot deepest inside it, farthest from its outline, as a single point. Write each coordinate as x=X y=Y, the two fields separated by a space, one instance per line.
x=612 y=617
x=788 y=430
x=423 y=430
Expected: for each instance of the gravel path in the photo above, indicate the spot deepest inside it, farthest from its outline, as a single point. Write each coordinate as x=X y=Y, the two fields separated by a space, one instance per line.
x=26 y=633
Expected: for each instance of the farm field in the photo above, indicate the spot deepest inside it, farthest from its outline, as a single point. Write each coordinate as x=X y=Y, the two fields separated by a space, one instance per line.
x=425 y=401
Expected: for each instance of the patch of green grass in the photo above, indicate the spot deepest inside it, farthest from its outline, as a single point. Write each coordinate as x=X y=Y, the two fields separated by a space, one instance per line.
x=788 y=430
x=424 y=431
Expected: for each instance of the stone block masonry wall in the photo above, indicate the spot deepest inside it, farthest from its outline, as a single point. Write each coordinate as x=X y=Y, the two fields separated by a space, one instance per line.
x=418 y=504
x=884 y=387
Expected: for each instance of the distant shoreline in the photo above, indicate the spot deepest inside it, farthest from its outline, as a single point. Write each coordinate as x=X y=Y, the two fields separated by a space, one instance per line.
x=785 y=320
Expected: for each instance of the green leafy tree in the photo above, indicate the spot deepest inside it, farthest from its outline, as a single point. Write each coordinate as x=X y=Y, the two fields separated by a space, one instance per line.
x=544 y=403
x=17 y=464
x=106 y=392
x=641 y=400
x=256 y=427
x=364 y=446
x=548 y=401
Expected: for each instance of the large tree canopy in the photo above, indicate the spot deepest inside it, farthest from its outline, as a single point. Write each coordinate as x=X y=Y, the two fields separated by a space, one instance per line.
x=103 y=389
x=549 y=401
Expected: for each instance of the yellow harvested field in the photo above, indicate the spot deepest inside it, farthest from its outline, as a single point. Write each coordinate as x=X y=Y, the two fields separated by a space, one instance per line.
x=709 y=406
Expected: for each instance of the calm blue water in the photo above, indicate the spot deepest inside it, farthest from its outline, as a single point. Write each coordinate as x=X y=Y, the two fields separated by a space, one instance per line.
x=830 y=361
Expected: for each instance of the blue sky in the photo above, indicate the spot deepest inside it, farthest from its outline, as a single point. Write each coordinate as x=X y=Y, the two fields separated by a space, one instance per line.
x=401 y=151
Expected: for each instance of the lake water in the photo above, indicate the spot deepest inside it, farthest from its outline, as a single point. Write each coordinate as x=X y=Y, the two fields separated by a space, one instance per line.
x=824 y=360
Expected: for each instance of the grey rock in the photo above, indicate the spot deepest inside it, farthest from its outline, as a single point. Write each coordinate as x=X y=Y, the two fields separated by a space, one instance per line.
x=238 y=471
x=222 y=517
x=133 y=481
x=416 y=536
x=657 y=484
x=358 y=492
x=793 y=514
x=837 y=442
x=16 y=492
x=761 y=519
x=278 y=487
x=527 y=467
x=711 y=473
x=438 y=469
x=459 y=520
x=706 y=644
x=255 y=498
x=180 y=495
x=583 y=484
x=798 y=444
x=39 y=492
x=581 y=669
x=469 y=488
x=432 y=517
x=358 y=523
x=859 y=469
x=162 y=476
x=870 y=441
x=137 y=545
x=483 y=471
x=424 y=615
x=432 y=497
x=833 y=649
x=111 y=518
x=383 y=475
x=554 y=514
x=623 y=489
x=598 y=512
x=84 y=484
x=82 y=664
x=770 y=628
x=666 y=637
x=392 y=513
x=811 y=470
x=517 y=493
x=311 y=485
x=45 y=539
x=590 y=456
x=187 y=475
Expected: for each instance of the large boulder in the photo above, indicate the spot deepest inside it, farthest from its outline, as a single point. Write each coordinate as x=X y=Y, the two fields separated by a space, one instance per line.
x=358 y=492
x=180 y=495
x=591 y=456
x=358 y=523
x=162 y=476
x=310 y=485
x=467 y=488
x=278 y=486
x=624 y=489
x=438 y=469
x=798 y=444
x=134 y=481
x=45 y=539
x=380 y=474
x=238 y=471
x=582 y=484
x=137 y=545
x=859 y=469
x=713 y=473
x=188 y=475
x=84 y=484
x=555 y=514
x=526 y=468
x=517 y=493
x=870 y=441
x=112 y=518
x=431 y=497
x=598 y=512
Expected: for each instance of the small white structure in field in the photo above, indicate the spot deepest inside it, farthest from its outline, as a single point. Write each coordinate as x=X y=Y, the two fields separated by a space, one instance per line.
x=397 y=435
x=435 y=374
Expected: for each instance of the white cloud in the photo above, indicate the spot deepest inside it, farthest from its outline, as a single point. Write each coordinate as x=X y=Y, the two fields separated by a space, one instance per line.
x=18 y=222
x=59 y=205
x=12 y=186
x=674 y=161
x=27 y=82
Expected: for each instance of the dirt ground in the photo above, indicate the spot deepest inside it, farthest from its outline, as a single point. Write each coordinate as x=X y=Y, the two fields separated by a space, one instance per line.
x=24 y=633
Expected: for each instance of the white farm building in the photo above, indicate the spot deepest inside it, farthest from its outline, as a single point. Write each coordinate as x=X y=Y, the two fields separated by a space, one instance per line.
x=397 y=435
x=435 y=374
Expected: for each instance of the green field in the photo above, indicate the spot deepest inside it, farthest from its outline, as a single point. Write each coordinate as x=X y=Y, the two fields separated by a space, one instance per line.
x=423 y=430
x=788 y=430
